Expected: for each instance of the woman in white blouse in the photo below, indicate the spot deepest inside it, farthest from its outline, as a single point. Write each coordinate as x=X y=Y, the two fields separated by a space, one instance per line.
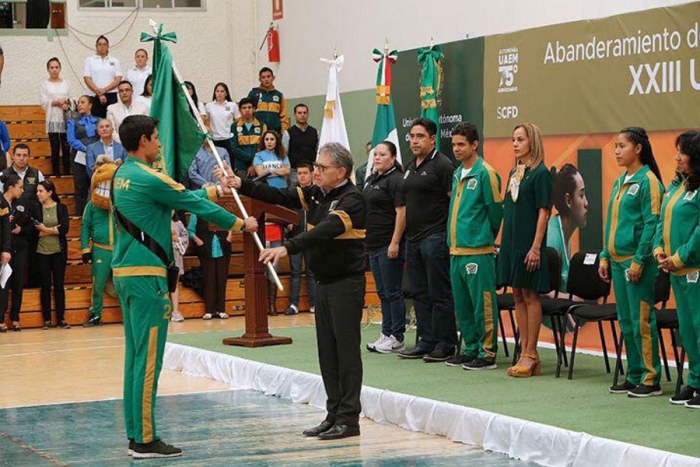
x=146 y=97
x=102 y=74
x=55 y=100
x=222 y=112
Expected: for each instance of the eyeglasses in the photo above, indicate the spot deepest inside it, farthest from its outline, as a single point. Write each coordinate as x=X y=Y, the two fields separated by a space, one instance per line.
x=323 y=168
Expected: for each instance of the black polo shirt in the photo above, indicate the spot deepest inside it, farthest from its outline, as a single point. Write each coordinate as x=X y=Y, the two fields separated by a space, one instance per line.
x=426 y=189
x=383 y=194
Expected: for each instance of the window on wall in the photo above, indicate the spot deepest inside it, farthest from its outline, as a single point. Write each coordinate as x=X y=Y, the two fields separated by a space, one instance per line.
x=155 y=4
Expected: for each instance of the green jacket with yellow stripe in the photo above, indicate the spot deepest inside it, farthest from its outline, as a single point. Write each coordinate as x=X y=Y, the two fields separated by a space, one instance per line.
x=678 y=231
x=147 y=198
x=270 y=108
x=96 y=225
x=633 y=212
x=245 y=142
x=476 y=210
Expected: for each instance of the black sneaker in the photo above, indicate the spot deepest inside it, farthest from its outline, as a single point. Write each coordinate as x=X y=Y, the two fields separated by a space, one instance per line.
x=415 y=353
x=47 y=325
x=481 y=364
x=438 y=355
x=645 y=391
x=693 y=403
x=132 y=443
x=459 y=360
x=93 y=321
x=623 y=388
x=64 y=324
x=684 y=396
x=155 y=449
x=291 y=310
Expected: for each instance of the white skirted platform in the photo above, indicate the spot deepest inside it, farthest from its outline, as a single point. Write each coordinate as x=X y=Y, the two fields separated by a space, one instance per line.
x=520 y=439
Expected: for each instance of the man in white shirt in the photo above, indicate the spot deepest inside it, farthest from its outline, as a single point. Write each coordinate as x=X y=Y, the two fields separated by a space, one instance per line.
x=116 y=113
x=137 y=74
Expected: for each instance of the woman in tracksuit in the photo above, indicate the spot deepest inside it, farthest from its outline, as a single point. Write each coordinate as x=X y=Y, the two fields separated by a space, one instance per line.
x=633 y=212
x=677 y=251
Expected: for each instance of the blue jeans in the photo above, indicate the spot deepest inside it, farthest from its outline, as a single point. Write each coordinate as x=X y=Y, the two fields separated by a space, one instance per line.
x=388 y=275
x=295 y=288
x=428 y=262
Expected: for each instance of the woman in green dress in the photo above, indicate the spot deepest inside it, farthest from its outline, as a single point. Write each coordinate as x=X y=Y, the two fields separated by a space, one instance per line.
x=522 y=264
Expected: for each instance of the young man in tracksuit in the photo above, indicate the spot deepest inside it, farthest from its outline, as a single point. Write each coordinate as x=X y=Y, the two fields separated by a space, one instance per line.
x=476 y=212
x=146 y=198
x=247 y=133
x=270 y=105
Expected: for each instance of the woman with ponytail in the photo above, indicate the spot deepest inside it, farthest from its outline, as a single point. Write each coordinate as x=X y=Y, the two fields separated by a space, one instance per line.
x=677 y=251
x=633 y=213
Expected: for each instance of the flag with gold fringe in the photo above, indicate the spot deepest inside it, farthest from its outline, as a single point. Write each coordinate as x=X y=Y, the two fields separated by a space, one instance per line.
x=430 y=85
x=385 y=122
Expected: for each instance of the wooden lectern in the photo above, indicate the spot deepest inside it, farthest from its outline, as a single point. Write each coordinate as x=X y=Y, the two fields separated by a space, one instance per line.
x=256 y=284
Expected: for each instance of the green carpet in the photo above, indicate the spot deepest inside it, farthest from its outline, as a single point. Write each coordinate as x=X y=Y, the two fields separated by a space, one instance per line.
x=582 y=404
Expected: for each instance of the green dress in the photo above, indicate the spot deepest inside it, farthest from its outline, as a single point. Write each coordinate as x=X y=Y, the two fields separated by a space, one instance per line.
x=519 y=226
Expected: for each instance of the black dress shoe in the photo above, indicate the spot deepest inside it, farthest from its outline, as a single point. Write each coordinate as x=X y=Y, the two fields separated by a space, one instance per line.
x=415 y=353
x=317 y=430
x=340 y=431
x=439 y=355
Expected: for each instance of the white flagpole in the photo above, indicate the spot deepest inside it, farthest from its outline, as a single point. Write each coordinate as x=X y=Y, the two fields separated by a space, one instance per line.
x=212 y=148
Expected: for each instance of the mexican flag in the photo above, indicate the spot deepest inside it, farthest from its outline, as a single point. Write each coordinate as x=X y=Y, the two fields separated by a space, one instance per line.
x=430 y=84
x=179 y=134
x=384 y=122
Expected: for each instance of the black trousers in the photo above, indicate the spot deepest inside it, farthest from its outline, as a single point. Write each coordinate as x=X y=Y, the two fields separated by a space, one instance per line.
x=59 y=144
x=99 y=110
x=338 y=317
x=52 y=270
x=81 y=183
x=215 y=272
x=18 y=263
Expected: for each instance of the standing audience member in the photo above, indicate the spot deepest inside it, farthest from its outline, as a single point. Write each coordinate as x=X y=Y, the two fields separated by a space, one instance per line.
x=52 y=223
x=427 y=185
x=677 y=251
x=21 y=227
x=270 y=105
x=201 y=171
x=146 y=97
x=126 y=106
x=305 y=180
x=222 y=112
x=55 y=100
x=386 y=245
x=246 y=138
x=300 y=141
x=627 y=259
x=139 y=73
x=361 y=171
x=197 y=103
x=82 y=131
x=180 y=243
x=106 y=146
x=476 y=212
x=521 y=263
x=29 y=175
x=4 y=145
x=6 y=243
x=102 y=74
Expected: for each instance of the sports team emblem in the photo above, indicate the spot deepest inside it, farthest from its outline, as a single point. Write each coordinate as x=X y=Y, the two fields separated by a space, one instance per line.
x=276 y=98
x=239 y=129
x=472 y=268
x=471 y=184
x=689 y=195
x=692 y=277
x=633 y=190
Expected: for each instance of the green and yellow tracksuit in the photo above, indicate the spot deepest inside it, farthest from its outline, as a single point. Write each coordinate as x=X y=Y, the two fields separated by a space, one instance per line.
x=147 y=198
x=270 y=108
x=97 y=226
x=476 y=212
x=245 y=142
x=633 y=213
x=678 y=236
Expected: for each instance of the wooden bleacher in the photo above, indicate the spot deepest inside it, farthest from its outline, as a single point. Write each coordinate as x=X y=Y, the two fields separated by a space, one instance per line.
x=26 y=125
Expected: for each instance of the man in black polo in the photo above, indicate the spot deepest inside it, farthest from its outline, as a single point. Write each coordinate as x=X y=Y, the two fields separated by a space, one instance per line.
x=427 y=186
x=300 y=141
x=336 y=209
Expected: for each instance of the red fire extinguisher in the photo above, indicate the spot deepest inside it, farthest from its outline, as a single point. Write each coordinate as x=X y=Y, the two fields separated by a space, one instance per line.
x=273 y=44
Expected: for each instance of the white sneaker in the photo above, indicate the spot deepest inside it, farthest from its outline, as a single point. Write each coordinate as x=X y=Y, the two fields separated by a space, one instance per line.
x=389 y=345
x=382 y=341
x=312 y=309
x=207 y=316
x=222 y=315
x=177 y=317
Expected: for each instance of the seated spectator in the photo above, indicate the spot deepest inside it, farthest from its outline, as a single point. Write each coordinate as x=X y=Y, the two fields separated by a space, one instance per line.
x=247 y=135
x=102 y=74
x=304 y=179
x=106 y=146
x=139 y=73
x=82 y=131
x=55 y=94
x=146 y=97
x=125 y=107
x=4 y=144
x=52 y=223
x=20 y=226
x=201 y=170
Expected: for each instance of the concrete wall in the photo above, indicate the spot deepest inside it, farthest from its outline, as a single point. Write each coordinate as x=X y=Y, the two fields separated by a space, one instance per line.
x=215 y=44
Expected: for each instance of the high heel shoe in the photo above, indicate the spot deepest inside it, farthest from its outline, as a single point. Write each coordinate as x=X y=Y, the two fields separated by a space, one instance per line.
x=525 y=369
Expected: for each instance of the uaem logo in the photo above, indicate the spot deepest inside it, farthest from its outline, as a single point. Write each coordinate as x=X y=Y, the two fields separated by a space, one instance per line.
x=507 y=69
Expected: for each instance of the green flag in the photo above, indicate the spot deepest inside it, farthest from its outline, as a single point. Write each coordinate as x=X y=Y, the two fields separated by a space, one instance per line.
x=179 y=133
x=384 y=122
x=430 y=84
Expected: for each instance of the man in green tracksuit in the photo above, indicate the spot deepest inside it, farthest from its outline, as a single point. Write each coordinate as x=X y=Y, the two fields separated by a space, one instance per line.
x=97 y=226
x=633 y=212
x=247 y=133
x=476 y=212
x=146 y=198
x=270 y=104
